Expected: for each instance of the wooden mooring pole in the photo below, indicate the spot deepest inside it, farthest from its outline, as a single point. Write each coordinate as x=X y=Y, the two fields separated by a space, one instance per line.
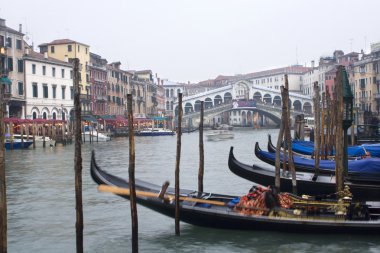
x=339 y=156
x=278 y=146
x=287 y=138
x=177 y=162
x=317 y=130
x=78 y=160
x=3 y=192
x=131 y=172
x=201 y=151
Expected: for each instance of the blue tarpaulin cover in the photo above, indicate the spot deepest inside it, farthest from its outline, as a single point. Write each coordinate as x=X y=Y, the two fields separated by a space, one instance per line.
x=366 y=166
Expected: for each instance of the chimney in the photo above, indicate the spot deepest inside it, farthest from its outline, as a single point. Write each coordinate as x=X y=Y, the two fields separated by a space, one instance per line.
x=45 y=55
x=20 y=28
x=26 y=50
x=2 y=22
x=312 y=64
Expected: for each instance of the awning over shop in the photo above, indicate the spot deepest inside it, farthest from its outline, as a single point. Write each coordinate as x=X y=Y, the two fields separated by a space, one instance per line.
x=159 y=118
x=89 y=118
x=5 y=80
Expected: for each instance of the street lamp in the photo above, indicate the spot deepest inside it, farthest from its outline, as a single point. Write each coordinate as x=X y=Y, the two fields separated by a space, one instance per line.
x=348 y=99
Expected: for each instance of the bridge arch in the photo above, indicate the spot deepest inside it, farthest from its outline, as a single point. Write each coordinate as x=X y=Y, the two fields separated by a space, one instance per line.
x=188 y=108
x=297 y=106
x=243 y=118
x=197 y=106
x=249 y=118
x=208 y=103
x=257 y=96
x=267 y=98
x=227 y=97
x=218 y=100
x=307 y=107
x=277 y=100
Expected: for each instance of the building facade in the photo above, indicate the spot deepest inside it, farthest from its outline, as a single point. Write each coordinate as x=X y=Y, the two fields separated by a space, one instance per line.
x=63 y=49
x=98 y=81
x=366 y=85
x=117 y=89
x=49 y=93
x=12 y=66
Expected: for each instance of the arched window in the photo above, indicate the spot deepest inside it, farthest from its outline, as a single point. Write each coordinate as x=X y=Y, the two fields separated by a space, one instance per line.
x=44 y=115
x=54 y=116
x=34 y=115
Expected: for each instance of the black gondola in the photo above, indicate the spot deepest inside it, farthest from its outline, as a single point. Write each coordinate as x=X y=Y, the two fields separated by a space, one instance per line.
x=225 y=216
x=324 y=184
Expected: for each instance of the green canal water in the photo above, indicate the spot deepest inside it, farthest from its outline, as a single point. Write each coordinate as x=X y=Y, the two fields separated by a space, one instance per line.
x=41 y=200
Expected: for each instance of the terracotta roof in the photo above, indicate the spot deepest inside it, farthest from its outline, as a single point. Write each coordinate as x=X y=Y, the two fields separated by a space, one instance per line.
x=40 y=57
x=62 y=41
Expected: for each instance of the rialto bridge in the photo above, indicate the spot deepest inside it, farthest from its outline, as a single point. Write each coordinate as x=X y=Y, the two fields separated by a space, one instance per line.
x=244 y=104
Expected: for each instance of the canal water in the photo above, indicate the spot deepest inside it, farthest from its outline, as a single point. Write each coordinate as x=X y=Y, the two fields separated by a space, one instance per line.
x=41 y=200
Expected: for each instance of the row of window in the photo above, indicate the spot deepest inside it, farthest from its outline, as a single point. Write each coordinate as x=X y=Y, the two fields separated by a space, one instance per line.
x=69 y=49
x=268 y=80
x=45 y=91
x=9 y=65
x=8 y=43
x=53 y=71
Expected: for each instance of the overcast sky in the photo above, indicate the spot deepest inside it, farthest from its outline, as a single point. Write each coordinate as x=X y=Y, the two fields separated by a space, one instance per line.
x=194 y=40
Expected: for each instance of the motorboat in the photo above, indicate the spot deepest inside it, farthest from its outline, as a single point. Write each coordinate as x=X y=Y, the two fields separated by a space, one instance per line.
x=90 y=134
x=219 y=135
x=154 y=132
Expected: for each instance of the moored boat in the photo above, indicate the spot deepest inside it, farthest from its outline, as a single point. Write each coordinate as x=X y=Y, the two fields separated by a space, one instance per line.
x=91 y=134
x=324 y=184
x=367 y=169
x=306 y=148
x=154 y=132
x=17 y=144
x=287 y=212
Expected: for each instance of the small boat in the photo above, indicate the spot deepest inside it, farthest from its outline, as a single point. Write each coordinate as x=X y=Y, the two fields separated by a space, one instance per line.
x=277 y=212
x=154 y=132
x=39 y=140
x=18 y=144
x=367 y=169
x=91 y=134
x=323 y=184
x=219 y=135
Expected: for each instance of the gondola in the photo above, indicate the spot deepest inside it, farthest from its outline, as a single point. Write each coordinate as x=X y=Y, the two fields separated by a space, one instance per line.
x=307 y=148
x=324 y=184
x=367 y=169
x=225 y=215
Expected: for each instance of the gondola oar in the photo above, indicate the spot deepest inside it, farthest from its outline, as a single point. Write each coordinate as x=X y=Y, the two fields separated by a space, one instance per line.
x=125 y=191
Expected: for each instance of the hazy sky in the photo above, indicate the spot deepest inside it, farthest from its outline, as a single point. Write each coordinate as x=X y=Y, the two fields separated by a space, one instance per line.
x=194 y=40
